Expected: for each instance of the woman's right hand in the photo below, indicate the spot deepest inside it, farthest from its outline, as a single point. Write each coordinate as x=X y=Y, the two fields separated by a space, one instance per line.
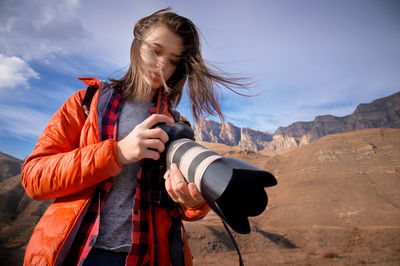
x=144 y=141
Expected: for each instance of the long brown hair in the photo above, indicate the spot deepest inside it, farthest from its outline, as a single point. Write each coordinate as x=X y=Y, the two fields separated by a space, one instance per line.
x=202 y=81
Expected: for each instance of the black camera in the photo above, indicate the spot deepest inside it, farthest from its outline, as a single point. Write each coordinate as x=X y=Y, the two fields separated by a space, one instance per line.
x=178 y=130
x=234 y=189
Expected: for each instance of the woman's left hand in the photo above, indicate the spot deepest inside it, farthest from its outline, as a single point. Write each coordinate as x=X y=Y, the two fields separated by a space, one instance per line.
x=180 y=190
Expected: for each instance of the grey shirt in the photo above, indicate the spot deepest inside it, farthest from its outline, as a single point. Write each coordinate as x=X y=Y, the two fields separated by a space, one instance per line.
x=116 y=217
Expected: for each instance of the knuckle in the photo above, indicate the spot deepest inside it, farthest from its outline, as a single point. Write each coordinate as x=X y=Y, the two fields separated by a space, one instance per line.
x=142 y=151
x=138 y=134
x=155 y=117
x=165 y=137
x=161 y=146
x=181 y=186
x=159 y=131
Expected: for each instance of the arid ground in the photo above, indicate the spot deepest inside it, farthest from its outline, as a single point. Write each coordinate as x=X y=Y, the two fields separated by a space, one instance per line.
x=336 y=203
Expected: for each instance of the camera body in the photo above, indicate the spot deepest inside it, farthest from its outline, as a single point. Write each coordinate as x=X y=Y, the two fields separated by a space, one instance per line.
x=176 y=131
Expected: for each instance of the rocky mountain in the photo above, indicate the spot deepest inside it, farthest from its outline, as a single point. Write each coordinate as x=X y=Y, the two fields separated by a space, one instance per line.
x=381 y=113
x=251 y=139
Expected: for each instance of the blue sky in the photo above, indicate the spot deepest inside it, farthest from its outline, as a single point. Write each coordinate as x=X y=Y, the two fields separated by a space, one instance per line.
x=307 y=58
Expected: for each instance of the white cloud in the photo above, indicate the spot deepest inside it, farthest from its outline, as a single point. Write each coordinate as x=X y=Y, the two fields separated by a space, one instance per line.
x=15 y=72
x=37 y=29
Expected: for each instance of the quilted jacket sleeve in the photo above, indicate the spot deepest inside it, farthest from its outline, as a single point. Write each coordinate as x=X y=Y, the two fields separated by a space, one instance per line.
x=57 y=166
x=196 y=213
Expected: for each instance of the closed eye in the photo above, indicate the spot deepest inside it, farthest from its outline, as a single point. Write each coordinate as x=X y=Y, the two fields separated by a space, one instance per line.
x=174 y=62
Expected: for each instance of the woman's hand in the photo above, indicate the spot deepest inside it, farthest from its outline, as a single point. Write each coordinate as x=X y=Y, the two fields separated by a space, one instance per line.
x=180 y=191
x=144 y=141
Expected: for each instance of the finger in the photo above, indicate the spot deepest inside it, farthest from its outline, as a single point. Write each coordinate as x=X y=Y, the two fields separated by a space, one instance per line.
x=156 y=118
x=154 y=144
x=168 y=185
x=156 y=133
x=178 y=182
x=171 y=193
x=150 y=154
x=176 y=175
x=194 y=192
x=181 y=189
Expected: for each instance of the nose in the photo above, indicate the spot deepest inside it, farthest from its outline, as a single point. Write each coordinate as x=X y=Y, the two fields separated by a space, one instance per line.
x=162 y=63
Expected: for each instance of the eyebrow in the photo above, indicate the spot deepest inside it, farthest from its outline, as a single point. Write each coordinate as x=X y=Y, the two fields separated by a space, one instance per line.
x=160 y=46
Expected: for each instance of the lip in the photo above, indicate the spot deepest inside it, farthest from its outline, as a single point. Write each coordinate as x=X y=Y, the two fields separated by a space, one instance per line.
x=155 y=76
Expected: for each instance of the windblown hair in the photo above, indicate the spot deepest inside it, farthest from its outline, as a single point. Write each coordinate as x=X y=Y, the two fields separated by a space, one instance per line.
x=202 y=81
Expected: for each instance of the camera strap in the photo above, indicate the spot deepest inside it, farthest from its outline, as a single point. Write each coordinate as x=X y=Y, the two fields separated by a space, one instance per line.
x=234 y=242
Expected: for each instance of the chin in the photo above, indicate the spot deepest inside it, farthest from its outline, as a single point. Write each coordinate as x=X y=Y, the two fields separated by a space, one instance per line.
x=155 y=86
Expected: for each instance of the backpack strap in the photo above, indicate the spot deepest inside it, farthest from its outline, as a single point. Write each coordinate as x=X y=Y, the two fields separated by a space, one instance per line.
x=90 y=91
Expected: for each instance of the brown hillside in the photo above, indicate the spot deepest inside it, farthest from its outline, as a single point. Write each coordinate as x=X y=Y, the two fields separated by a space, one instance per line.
x=9 y=166
x=337 y=202
x=18 y=216
x=351 y=178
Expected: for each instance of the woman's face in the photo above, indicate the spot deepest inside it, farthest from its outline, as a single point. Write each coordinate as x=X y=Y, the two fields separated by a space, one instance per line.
x=160 y=52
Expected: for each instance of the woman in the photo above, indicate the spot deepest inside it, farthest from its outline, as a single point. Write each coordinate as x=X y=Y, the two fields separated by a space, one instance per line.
x=111 y=204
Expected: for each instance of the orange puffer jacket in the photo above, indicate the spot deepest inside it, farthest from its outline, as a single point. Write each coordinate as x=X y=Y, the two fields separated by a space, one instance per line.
x=66 y=164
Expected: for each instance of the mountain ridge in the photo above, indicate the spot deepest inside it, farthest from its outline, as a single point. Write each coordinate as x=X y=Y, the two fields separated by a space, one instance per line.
x=380 y=113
